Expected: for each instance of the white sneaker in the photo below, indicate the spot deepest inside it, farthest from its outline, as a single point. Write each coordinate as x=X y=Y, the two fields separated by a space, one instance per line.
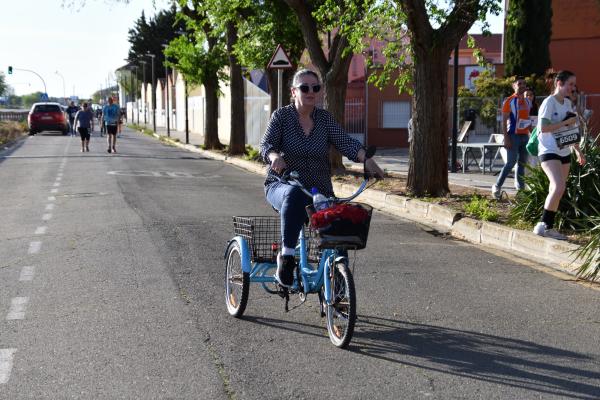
x=518 y=187
x=496 y=192
x=541 y=229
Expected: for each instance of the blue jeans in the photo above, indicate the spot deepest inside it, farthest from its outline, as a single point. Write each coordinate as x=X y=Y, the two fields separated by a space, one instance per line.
x=290 y=201
x=517 y=152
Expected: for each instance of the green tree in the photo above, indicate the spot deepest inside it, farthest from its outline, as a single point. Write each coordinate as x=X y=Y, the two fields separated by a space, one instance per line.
x=320 y=19
x=149 y=36
x=28 y=99
x=527 y=39
x=3 y=85
x=419 y=37
x=200 y=56
x=271 y=22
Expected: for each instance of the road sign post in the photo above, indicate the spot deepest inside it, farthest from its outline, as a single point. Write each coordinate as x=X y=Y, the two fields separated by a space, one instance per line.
x=280 y=61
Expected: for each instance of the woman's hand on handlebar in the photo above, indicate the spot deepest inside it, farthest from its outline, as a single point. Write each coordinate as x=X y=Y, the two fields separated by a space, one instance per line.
x=372 y=167
x=277 y=163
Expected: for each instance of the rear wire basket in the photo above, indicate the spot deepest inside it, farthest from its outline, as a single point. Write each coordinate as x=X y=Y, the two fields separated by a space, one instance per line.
x=264 y=238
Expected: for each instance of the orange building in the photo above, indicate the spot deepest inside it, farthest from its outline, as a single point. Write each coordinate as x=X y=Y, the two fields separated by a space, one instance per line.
x=575 y=45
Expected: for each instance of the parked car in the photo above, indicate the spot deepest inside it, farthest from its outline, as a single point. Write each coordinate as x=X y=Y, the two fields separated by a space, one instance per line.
x=47 y=117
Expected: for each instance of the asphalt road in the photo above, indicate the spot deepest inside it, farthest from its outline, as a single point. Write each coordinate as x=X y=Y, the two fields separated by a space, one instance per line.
x=111 y=286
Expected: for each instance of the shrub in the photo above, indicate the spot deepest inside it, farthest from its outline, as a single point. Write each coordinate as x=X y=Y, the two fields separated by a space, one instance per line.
x=252 y=154
x=480 y=208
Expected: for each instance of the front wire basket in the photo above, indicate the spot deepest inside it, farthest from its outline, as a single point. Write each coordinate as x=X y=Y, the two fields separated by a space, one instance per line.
x=264 y=238
x=342 y=233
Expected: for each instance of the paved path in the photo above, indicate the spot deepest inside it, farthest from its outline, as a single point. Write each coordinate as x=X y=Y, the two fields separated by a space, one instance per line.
x=395 y=160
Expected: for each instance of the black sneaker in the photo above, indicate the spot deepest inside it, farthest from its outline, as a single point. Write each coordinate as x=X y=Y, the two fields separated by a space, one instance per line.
x=285 y=270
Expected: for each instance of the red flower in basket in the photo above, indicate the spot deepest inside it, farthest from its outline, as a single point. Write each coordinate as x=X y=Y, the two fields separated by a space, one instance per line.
x=339 y=212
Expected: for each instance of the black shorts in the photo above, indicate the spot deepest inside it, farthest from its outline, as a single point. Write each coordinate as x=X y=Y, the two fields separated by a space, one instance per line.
x=84 y=133
x=111 y=129
x=554 y=156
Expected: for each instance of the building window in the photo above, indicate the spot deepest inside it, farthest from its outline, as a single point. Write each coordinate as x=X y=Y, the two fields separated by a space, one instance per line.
x=395 y=114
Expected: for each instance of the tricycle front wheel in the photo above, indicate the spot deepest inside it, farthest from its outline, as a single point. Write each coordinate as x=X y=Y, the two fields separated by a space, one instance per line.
x=237 y=282
x=341 y=314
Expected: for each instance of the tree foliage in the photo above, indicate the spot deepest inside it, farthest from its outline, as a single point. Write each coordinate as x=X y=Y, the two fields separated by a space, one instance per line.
x=199 y=53
x=269 y=23
x=418 y=38
x=528 y=34
x=149 y=36
x=3 y=84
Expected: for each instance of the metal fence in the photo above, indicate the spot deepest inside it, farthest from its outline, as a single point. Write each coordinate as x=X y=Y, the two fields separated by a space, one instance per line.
x=13 y=115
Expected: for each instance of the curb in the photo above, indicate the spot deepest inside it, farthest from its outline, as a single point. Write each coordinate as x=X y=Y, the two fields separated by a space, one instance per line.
x=553 y=253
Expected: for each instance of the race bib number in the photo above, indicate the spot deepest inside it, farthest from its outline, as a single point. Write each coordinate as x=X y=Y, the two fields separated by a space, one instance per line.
x=524 y=124
x=568 y=137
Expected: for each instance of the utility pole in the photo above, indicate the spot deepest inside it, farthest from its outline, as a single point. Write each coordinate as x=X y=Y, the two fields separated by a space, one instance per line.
x=187 y=125
x=64 y=86
x=153 y=56
x=145 y=92
x=167 y=108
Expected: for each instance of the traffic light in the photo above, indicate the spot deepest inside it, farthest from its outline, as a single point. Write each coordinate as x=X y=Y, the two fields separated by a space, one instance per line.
x=10 y=69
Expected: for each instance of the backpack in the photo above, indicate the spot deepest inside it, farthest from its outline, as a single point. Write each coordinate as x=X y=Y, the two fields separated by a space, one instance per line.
x=532 y=143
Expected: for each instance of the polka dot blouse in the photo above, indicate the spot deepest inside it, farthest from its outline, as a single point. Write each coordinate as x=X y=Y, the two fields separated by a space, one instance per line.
x=308 y=155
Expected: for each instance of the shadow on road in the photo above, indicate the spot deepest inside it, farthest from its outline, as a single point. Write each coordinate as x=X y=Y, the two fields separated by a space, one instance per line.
x=495 y=359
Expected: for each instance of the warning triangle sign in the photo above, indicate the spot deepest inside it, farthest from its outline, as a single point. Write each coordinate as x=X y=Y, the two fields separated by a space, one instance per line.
x=280 y=60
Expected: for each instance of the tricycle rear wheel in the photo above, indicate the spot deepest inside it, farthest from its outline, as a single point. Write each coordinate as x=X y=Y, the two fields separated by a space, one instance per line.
x=237 y=282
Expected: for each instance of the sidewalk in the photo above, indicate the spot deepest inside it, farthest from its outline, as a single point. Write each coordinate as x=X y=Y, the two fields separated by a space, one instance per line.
x=548 y=255
x=394 y=161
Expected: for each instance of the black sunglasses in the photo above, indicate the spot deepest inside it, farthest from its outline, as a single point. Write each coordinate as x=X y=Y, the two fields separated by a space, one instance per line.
x=306 y=88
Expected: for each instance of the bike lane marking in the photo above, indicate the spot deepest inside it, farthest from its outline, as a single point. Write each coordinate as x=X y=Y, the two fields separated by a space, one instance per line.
x=27 y=273
x=34 y=247
x=17 y=308
x=6 y=361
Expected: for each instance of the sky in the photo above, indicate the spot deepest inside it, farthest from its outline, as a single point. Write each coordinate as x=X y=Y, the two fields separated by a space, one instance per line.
x=82 y=44
x=85 y=44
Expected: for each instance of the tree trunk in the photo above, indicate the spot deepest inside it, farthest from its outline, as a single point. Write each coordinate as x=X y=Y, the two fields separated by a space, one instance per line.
x=429 y=175
x=211 y=106
x=335 y=103
x=237 y=136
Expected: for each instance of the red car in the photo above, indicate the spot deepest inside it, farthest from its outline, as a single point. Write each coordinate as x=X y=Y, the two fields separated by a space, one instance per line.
x=47 y=117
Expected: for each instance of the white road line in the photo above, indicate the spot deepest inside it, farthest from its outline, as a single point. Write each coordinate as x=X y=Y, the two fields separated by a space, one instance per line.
x=51 y=198
x=34 y=247
x=41 y=230
x=49 y=207
x=47 y=216
x=60 y=174
x=6 y=361
x=56 y=184
x=54 y=191
x=27 y=274
x=17 y=308
x=58 y=179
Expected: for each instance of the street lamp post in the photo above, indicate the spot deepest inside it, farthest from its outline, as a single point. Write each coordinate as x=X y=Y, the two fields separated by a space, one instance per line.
x=131 y=91
x=167 y=110
x=135 y=100
x=145 y=92
x=38 y=75
x=153 y=56
x=187 y=125
x=64 y=90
